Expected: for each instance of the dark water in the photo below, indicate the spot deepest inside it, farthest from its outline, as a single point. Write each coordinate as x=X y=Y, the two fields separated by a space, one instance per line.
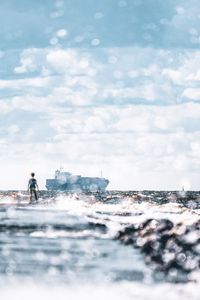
x=67 y=242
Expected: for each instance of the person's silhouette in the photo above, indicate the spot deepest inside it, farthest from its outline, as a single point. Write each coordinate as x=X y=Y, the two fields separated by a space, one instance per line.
x=32 y=186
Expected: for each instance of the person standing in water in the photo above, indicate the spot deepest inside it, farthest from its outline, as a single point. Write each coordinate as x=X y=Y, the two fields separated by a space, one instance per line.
x=32 y=186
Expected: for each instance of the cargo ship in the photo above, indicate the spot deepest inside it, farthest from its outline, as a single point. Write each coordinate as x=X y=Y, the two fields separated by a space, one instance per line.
x=65 y=181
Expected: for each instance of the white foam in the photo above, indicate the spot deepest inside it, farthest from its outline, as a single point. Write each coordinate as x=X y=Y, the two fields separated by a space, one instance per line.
x=125 y=291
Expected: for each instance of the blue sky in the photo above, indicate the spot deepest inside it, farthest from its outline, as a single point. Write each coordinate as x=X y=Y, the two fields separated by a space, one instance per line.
x=109 y=85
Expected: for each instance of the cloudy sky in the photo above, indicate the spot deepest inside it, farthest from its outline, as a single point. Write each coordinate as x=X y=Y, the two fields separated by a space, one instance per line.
x=110 y=85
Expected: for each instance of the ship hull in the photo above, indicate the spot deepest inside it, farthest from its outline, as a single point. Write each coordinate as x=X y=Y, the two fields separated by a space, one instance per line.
x=83 y=184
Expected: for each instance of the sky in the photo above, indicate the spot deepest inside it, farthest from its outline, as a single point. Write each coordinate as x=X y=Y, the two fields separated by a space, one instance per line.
x=110 y=86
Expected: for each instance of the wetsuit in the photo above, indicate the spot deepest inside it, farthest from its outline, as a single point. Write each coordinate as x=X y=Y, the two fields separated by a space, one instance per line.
x=32 y=186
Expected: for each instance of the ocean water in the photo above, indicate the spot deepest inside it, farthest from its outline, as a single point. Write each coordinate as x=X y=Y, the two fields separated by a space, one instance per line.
x=65 y=247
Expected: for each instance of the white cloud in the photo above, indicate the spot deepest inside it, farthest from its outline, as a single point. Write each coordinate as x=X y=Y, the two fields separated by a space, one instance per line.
x=174 y=75
x=4 y=107
x=74 y=123
x=26 y=65
x=84 y=78
x=13 y=129
x=60 y=59
x=130 y=138
x=18 y=84
x=192 y=93
x=30 y=60
x=118 y=154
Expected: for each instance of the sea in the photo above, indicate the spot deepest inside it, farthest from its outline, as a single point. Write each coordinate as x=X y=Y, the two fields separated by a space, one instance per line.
x=68 y=246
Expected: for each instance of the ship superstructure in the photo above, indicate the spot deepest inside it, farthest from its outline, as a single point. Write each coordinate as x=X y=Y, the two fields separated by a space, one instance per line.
x=65 y=181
